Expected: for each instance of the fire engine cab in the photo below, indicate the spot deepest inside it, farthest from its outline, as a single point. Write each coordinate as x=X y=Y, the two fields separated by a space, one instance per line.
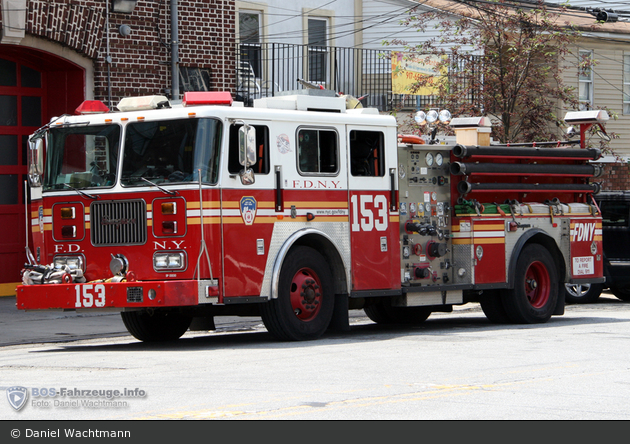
x=298 y=210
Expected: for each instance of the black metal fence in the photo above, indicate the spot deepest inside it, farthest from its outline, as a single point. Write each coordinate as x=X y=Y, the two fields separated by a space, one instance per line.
x=266 y=70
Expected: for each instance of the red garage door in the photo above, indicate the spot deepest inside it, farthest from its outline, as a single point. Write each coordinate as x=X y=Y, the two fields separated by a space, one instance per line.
x=30 y=81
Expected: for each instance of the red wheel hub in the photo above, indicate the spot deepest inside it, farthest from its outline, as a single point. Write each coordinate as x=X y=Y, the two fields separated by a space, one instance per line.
x=537 y=284
x=306 y=294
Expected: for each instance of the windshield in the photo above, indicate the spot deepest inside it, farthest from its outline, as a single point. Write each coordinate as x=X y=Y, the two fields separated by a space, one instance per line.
x=82 y=157
x=171 y=151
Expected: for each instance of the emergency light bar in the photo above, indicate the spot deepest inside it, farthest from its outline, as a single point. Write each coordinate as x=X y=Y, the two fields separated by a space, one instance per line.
x=141 y=103
x=91 y=107
x=196 y=98
x=594 y=116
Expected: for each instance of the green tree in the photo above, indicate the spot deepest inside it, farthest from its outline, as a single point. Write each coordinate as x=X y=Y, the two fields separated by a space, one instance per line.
x=514 y=75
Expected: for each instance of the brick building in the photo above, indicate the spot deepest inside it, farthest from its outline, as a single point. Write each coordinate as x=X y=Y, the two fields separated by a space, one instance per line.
x=56 y=53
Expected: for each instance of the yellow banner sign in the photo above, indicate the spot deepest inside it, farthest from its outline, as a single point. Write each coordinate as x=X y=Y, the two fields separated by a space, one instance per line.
x=407 y=71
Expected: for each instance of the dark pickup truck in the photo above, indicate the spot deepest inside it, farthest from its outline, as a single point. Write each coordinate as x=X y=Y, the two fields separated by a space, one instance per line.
x=615 y=207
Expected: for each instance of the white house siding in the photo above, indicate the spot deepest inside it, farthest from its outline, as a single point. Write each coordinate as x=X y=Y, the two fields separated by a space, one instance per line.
x=285 y=22
x=607 y=87
x=604 y=4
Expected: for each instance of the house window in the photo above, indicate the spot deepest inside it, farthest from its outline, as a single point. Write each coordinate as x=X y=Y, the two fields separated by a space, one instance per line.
x=585 y=78
x=249 y=37
x=626 y=84
x=317 y=51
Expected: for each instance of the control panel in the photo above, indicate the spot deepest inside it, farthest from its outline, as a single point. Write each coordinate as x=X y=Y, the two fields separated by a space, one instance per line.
x=425 y=214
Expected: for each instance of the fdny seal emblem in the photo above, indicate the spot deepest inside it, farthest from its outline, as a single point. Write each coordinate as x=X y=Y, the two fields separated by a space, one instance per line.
x=248 y=210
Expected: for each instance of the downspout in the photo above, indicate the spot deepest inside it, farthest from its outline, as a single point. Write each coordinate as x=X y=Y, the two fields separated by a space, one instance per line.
x=174 y=52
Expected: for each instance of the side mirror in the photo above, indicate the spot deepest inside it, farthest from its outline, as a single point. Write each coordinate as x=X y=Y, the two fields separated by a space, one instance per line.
x=247 y=152
x=35 y=157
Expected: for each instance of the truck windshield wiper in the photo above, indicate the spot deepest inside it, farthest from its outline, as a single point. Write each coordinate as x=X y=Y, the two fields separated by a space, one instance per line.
x=82 y=193
x=164 y=190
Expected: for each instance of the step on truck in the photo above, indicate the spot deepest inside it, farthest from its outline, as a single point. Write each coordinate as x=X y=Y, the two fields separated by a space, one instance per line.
x=298 y=210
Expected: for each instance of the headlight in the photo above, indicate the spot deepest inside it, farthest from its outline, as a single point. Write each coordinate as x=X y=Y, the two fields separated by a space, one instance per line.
x=72 y=262
x=168 y=260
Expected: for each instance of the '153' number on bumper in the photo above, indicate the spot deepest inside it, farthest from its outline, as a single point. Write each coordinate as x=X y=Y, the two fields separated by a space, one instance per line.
x=88 y=295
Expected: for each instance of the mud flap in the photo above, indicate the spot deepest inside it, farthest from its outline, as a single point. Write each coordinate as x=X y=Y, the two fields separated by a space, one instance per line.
x=559 y=309
x=340 y=319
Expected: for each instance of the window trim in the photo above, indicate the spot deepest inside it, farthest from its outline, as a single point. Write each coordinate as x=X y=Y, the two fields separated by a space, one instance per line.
x=625 y=80
x=297 y=151
x=327 y=15
x=590 y=82
x=261 y=10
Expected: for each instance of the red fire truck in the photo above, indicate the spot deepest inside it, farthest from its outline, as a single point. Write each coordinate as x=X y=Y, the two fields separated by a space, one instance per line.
x=298 y=210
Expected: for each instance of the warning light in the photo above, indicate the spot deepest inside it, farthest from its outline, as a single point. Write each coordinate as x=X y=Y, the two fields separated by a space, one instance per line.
x=169 y=207
x=67 y=213
x=194 y=98
x=91 y=107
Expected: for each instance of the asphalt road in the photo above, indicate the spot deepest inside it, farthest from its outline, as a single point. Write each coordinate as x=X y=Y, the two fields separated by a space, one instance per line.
x=453 y=366
x=47 y=326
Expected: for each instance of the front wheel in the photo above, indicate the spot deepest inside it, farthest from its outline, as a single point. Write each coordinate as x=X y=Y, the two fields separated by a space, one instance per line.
x=582 y=293
x=305 y=302
x=156 y=326
x=535 y=293
x=622 y=293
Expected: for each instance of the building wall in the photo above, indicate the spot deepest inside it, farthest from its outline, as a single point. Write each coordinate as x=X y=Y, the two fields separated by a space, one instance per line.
x=608 y=93
x=141 y=62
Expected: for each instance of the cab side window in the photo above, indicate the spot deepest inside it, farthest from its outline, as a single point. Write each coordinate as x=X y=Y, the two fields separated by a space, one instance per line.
x=615 y=213
x=317 y=151
x=367 y=153
x=262 y=150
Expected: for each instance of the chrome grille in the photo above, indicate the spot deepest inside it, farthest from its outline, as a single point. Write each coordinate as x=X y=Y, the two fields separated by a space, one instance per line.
x=118 y=222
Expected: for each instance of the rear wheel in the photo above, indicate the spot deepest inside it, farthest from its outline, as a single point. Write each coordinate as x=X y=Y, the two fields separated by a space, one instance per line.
x=306 y=298
x=156 y=326
x=536 y=289
x=622 y=293
x=382 y=312
x=582 y=293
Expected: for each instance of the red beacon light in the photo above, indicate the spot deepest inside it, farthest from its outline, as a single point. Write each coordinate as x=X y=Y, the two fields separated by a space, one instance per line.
x=91 y=107
x=196 y=98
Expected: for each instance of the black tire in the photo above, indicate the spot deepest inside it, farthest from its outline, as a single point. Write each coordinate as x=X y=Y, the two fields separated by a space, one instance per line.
x=492 y=305
x=382 y=312
x=582 y=293
x=156 y=326
x=536 y=289
x=301 y=315
x=622 y=293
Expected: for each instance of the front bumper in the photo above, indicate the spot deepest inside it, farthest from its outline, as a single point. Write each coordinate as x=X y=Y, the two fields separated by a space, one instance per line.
x=116 y=295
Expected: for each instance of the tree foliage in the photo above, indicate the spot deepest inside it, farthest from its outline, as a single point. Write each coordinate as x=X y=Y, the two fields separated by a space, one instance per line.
x=505 y=60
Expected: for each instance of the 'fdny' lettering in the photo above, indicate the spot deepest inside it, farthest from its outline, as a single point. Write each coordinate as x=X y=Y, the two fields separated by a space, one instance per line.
x=317 y=184
x=583 y=232
x=70 y=248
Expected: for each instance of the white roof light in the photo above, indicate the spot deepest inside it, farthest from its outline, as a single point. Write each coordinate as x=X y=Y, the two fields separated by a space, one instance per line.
x=140 y=103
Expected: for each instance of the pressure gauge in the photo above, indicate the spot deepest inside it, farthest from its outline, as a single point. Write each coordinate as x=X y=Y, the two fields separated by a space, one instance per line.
x=427 y=207
x=434 y=196
x=412 y=208
x=429 y=159
x=439 y=160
